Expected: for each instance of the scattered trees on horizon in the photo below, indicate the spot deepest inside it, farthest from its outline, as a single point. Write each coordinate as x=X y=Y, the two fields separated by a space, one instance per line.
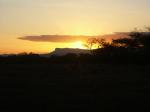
x=136 y=39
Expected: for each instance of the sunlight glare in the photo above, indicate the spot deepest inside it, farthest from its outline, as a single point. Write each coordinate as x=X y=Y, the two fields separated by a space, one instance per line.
x=78 y=44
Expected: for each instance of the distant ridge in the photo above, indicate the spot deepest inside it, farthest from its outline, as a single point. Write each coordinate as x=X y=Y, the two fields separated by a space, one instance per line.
x=64 y=51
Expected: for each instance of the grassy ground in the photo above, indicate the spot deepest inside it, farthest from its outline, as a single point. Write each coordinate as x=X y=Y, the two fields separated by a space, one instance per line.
x=74 y=87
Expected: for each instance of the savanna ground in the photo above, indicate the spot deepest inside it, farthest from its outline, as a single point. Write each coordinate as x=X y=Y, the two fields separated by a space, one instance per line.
x=74 y=87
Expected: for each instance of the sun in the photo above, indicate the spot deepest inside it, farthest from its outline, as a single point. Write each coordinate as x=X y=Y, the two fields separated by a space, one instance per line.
x=78 y=44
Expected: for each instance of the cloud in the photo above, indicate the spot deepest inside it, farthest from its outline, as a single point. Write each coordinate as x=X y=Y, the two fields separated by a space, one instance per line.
x=55 y=38
x=71 y=38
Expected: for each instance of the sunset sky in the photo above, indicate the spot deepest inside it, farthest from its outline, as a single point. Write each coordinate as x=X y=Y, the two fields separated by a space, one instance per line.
x=36 y=18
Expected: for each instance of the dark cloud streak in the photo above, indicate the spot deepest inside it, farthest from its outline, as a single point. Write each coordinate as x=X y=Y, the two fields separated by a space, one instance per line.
x=70 y=38
x=55 y=38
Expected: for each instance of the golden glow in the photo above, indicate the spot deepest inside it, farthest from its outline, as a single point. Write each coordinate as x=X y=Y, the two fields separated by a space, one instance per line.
x=66 y=17
x=78 y=44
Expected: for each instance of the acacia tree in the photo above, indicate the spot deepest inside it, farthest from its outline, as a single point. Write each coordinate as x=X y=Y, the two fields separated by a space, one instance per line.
x=90 y=43
x=96 y=43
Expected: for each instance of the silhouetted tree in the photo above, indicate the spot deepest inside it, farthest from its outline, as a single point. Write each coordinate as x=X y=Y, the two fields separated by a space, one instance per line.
x=96 y=43
x=90 y=43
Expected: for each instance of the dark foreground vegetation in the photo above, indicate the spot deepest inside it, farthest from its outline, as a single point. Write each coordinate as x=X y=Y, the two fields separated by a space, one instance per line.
x=74 y=88
x=115 y=77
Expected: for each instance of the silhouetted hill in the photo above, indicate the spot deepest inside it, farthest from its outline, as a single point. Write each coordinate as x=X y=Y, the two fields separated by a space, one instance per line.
x=65 y=51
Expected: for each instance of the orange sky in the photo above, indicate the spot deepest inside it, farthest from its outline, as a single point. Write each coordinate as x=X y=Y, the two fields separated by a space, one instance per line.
x=21 y=18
